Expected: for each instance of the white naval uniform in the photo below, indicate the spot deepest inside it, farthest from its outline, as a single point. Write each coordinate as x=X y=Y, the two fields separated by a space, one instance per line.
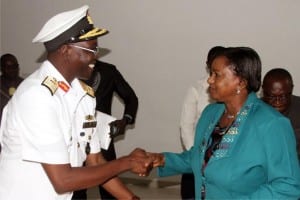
x=41 y=127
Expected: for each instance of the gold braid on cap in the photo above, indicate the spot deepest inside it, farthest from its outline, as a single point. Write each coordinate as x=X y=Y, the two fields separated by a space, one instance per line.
x=94 y=32
x=89 y=19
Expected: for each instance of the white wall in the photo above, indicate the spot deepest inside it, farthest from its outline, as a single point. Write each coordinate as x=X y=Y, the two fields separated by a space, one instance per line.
x=160 y=47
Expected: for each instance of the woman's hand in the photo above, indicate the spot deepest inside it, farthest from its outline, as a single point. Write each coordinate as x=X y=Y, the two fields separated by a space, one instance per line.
x=158 y=159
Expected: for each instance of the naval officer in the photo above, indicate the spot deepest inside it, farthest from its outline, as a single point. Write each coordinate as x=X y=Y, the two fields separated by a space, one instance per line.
x=49 y=125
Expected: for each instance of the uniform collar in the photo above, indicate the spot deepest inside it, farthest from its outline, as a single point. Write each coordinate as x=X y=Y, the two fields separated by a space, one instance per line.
x=48 y=69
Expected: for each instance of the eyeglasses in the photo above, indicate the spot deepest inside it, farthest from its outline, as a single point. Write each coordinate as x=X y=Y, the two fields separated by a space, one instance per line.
x=280 y=98
x=94 y=51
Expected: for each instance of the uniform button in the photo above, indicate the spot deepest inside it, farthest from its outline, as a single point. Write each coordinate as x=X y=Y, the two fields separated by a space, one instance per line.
x=82 y=134
x=90 y=137
x=78 y=145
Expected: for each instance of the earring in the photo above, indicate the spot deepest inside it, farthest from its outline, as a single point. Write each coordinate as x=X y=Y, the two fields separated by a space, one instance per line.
x=238 y=91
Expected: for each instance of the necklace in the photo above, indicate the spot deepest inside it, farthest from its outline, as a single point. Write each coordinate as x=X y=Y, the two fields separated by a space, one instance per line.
x=229 y=116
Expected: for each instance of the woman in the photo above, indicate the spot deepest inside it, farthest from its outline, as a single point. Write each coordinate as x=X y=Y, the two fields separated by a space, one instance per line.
x=243 y=148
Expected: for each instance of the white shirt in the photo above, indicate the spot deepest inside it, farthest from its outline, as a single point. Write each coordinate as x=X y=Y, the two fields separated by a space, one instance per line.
x=43 y=128
x=196 y=99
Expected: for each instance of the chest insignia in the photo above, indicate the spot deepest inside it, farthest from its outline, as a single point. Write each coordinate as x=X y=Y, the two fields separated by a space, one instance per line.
x=50 y=83
x=89 y=117
x=91 y=124
x=62 y=85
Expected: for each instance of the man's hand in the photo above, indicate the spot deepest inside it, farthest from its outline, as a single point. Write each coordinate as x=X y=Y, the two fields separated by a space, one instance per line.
x=117 y=127
x=141 y=164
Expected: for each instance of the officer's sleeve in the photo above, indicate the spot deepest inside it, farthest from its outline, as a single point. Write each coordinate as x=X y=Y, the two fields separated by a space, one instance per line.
x=43 y=127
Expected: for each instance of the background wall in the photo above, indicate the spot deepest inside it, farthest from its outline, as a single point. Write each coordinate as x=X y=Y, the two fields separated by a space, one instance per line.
x=161 y=46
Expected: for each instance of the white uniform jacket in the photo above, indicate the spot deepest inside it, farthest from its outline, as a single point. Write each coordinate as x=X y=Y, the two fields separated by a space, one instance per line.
x=47 y=121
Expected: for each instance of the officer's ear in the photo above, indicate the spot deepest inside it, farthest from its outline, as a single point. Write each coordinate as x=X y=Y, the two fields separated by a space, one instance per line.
x=65 y=52
x=64 y=49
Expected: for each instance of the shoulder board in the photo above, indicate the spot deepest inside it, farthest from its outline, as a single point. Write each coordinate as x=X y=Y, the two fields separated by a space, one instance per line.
x=88 y=89
x=51 y=83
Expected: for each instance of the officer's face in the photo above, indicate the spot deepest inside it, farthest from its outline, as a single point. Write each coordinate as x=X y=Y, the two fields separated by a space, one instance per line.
x=84 y=56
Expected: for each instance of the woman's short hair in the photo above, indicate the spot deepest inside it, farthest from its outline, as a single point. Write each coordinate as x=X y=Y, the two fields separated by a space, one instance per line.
x=246 y=63
x=213 y=53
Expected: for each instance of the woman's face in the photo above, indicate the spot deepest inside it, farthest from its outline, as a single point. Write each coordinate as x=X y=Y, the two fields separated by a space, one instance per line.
x=223 y=83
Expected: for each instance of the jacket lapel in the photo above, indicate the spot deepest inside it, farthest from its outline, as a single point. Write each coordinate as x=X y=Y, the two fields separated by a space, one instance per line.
x=230 y=139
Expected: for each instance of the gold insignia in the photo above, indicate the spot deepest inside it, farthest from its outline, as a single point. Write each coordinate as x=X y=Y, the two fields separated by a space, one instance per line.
x=51 y=83
x=89 y=19
x=88 y=89
x=89 y=117
x=11 y=91
x=94 y=32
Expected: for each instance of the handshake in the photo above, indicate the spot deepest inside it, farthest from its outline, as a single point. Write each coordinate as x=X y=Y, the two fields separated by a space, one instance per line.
x=142 y=162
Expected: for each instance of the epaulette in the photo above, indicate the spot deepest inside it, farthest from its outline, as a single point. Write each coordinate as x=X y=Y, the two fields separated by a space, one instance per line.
x=88 y=89
x=51 y=83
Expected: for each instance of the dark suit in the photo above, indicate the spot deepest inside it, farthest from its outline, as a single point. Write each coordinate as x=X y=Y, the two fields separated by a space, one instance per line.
x=107 y=80
x=111 y=80
x=293 y=114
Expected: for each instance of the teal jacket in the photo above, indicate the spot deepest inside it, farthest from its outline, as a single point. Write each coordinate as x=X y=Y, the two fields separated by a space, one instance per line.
x=257 y=157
